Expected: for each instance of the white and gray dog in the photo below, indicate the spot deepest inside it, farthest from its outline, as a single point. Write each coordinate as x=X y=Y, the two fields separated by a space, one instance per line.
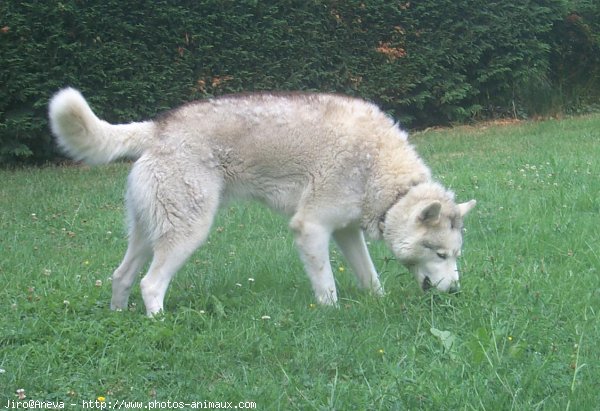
x=337 y=166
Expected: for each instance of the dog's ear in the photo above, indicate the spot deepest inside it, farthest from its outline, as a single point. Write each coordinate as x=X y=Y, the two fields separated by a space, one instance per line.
x=464 y=208
x=431 y=213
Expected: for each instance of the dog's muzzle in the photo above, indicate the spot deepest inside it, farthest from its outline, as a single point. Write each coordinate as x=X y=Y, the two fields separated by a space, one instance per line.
x=427 y=285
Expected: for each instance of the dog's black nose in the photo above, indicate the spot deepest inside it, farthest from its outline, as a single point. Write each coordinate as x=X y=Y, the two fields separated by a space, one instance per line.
x=426 y=285
x=454 y=288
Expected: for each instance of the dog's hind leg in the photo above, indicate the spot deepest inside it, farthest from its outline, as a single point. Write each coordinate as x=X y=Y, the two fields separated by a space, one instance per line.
x=186 y=221
x=351 y=242
x=168 y=259
x=171 y=251
x=175 y=203
x=312 y=242
x=138 y=252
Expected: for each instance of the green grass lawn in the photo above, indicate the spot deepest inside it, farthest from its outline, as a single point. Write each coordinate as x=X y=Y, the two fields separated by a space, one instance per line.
x=241 y=324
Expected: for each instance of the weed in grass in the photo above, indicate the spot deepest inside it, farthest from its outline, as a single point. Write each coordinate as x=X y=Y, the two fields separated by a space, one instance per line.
x=241 y=324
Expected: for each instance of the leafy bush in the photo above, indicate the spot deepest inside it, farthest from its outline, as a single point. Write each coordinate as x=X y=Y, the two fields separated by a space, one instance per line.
x=575 y=57
x=427 y=62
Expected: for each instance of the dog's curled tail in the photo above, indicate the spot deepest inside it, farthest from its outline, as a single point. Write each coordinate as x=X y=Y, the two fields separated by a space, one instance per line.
x=85 y=137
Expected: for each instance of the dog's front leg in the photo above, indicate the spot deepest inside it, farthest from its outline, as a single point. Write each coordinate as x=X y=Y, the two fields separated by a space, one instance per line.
x=351 y=242
x=312 y=241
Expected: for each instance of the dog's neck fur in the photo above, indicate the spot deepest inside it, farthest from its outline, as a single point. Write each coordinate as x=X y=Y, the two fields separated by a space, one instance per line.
x=396 y=170
x=381 y=219
x=373 y=225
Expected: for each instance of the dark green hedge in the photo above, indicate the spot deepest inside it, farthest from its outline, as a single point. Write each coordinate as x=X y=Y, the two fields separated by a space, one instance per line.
x=575 y=57
x=427 y=62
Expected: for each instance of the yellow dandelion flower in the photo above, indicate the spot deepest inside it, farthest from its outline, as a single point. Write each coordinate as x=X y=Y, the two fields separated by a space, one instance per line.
x=102 y=399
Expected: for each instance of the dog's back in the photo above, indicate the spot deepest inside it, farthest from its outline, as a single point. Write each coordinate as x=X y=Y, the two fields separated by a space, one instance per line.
x=272 y=146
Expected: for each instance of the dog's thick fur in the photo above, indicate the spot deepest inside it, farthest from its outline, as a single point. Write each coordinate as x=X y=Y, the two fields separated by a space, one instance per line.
x=336 y=165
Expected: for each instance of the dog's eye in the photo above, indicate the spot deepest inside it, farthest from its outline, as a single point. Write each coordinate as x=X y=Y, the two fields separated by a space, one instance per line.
x=443 y=256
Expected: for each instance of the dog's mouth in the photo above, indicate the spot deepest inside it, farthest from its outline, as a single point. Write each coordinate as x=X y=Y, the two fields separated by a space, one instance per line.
x=426 y=284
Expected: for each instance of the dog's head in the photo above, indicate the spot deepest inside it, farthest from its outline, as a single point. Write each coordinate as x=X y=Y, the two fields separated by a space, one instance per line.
x=424 y=231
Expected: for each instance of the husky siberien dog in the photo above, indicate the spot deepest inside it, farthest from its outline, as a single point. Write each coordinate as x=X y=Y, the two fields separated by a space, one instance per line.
x=337 y=165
